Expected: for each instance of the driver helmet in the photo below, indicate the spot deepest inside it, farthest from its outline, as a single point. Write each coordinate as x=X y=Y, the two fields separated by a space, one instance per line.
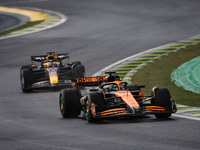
x=114 y=87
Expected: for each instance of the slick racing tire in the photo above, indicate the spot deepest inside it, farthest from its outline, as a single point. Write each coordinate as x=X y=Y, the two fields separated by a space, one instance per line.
x=79 y=71
x=26 y=78
x=26 y=67
x=98 y=102
x=76 y=62
x=69 y=103
x=162 y=98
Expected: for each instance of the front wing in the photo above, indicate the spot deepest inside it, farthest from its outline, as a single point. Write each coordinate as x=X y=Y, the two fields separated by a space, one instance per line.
x=123 y=112
x=47 y=84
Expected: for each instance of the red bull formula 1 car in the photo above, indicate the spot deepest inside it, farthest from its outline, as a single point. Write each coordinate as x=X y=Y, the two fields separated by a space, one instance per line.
x=50 y=72
x=114 y=98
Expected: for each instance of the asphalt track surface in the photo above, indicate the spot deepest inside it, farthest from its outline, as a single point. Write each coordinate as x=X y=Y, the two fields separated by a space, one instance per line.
x=7 y=22
x=98 y=33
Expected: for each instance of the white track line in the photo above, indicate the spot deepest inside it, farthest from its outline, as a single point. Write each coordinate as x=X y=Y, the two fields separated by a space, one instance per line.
x=139 y=54
x=186 y=117
x=128 y=58
x=64 y=18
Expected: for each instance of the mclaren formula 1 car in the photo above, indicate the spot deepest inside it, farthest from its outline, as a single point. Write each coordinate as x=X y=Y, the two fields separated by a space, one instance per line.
x=50 y=71
x=114 y=98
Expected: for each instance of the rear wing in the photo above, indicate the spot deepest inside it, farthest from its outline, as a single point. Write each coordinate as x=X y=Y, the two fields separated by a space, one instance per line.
x=90 y=81
x=41 y=58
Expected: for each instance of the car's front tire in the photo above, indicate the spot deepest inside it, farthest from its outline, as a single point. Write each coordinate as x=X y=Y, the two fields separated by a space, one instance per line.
x=163 y=98
x=26 y=79
x=99 y=103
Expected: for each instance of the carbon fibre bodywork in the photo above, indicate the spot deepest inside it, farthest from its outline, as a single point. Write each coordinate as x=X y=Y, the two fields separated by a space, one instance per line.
x=123 y=103
x=43 y=77
x=50 y=72
x=115 y=98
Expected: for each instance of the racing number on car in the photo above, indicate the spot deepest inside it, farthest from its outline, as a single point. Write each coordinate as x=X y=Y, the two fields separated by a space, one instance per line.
x=101 y=78
x=84 y=80
x=90 y=79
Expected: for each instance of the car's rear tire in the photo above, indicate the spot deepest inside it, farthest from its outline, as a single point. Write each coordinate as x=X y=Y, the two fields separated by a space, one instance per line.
x=25 y=67
x=76 y=62
x=98 y=100
x=69 y=103
x=162 y=98
x=26 y=79
x=79 y=71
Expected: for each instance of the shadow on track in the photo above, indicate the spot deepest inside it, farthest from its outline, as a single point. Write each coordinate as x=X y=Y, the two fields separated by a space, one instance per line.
x=125 y=120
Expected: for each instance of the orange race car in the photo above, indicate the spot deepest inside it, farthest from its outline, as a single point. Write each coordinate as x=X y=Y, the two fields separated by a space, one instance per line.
x=114 y=98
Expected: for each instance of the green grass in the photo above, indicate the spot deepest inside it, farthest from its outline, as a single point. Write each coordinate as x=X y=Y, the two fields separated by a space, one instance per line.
x=28 y=24
x=159 y=73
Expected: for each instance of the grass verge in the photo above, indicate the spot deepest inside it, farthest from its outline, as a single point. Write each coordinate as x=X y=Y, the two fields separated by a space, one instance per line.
x=28 y=24
x=159 y=73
